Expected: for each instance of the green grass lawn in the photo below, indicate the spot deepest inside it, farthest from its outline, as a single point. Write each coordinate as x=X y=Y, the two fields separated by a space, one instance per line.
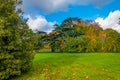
x=54 y=66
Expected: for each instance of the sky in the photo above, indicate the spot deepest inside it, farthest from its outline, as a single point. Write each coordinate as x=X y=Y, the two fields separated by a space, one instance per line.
x=43 y=14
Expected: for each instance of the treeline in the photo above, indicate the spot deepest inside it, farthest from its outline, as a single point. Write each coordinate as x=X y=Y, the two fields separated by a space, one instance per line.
x=77 y=35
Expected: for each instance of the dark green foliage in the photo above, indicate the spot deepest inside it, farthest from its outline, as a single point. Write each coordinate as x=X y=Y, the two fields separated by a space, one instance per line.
x=40 y=38
x=16 y=41
x=55 y=41
x=55 y=46
x=78 y=44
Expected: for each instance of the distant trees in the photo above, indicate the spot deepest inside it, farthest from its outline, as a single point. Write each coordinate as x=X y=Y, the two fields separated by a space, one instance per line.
x=16 y=41
x=76 y=35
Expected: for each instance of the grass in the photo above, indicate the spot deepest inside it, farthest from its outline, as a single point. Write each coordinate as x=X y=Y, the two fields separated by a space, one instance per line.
x=97 y=66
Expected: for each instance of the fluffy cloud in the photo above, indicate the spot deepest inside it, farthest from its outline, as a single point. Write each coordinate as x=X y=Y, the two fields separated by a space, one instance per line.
x=55 y=5
x=111 y=21
x=39 y=23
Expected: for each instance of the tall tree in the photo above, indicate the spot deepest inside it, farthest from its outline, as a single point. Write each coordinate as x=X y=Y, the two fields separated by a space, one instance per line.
x=16 y=42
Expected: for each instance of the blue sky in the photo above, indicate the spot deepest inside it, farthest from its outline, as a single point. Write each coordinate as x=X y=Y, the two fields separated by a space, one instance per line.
x=43 y=14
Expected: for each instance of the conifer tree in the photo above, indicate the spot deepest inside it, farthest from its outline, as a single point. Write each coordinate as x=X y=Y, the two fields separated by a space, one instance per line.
x=16 y=42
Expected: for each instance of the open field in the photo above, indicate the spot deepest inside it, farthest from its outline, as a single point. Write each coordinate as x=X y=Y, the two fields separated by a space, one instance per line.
x=89 y=66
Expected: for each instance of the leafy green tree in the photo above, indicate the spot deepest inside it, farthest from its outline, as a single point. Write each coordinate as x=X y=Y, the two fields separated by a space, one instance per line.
x=78 y=44
x=112 y=39
x=16 y=41
x=55 y=41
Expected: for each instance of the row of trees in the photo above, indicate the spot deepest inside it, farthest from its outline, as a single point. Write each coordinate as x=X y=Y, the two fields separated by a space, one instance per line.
x=76 y=35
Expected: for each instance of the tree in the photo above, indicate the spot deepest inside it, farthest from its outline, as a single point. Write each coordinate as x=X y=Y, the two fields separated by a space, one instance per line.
x=41 y=38
x=16 y=41
x=69 y=22
x=55 y=41
x=112 y=41
x=77 y=44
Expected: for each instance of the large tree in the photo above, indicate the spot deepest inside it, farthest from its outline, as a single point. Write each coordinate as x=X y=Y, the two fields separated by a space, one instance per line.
x=16 y=42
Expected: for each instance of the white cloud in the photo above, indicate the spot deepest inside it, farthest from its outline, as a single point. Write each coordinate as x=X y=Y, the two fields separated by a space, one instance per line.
x=111 y=21
x=40 y=23
x=56 y=5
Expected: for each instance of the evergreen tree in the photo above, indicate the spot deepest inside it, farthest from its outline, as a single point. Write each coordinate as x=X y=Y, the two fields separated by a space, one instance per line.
x=16 y=42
